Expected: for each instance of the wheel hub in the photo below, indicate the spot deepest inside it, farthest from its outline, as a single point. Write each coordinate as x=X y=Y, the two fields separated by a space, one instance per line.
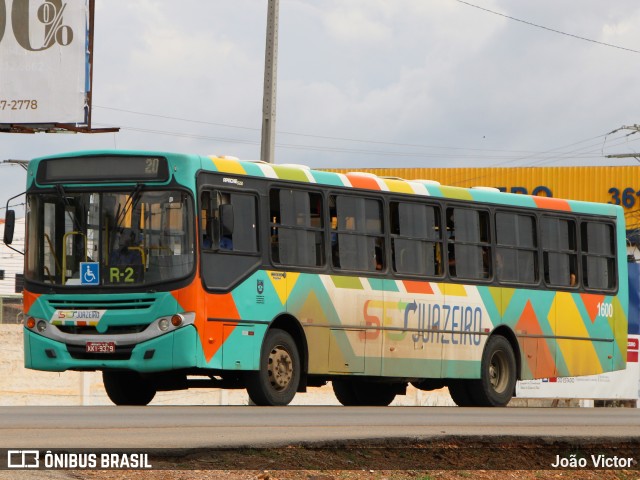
x=280 y=368
x=497 y=368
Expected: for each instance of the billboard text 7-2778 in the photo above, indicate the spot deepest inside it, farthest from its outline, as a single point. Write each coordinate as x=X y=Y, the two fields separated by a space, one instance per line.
x=44 y=61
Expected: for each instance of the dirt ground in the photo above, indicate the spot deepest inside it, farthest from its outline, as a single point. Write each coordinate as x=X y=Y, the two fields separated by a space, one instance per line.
x=399 y=460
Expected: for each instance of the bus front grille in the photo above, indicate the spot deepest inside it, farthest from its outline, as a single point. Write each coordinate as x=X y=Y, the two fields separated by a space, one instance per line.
x=111 y=330
x=124 y=304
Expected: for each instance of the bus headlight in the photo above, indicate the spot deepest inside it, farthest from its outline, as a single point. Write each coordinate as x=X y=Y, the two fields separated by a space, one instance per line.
x=41 y=326
x=163 y=324
x=177 y=320
x=30 y=323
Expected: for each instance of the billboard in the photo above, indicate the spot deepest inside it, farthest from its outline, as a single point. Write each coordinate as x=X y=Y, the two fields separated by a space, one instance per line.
x=44 y=60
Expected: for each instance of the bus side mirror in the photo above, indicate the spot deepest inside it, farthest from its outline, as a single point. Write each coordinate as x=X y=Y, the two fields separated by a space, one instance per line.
x=226 y=219
x=9 y=226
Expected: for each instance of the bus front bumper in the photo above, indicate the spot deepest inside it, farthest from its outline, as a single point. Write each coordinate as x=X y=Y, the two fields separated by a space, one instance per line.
x=174 y=350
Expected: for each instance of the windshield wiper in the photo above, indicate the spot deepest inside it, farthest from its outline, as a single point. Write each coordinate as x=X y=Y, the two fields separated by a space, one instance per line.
x=62 y=194
x=130 y=204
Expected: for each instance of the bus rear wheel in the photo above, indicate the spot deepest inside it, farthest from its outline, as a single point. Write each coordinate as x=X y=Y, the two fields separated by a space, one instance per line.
x=498 y=374
x=128 y=388
x=276 y=382
x=352 y=393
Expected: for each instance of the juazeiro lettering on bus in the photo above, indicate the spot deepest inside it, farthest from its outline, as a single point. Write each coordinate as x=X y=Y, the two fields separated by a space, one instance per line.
x=446 y=324
x=428 y=322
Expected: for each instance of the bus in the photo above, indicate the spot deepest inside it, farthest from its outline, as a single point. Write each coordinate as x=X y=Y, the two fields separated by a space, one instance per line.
x=171 y=271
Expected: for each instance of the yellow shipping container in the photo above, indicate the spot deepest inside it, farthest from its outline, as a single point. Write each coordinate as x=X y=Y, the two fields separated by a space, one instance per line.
x=617 y=185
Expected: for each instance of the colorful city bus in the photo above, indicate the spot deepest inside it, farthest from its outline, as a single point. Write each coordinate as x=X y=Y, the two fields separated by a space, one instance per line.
x=169 y=271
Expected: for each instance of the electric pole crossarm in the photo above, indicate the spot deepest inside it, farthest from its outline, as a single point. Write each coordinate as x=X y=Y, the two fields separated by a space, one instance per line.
x=625 y=155
x=634 y=129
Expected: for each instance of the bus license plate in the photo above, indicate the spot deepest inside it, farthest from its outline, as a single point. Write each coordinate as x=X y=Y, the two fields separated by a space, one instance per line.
x=101 y=347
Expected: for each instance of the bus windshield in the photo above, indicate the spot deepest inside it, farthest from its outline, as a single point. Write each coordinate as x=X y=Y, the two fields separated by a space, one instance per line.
x=127 y=238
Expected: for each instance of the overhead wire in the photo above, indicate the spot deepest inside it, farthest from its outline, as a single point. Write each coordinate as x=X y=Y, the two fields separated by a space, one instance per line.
x=595 y=150
x=500 y=156
x=507 y=159
x=560 y=32
x=550 y=155
x=308 y=135
x=320 y=148
x=14 y=205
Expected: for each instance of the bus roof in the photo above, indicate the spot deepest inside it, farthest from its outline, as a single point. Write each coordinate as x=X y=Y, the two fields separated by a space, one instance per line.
x=361 y=180
x=370 y=181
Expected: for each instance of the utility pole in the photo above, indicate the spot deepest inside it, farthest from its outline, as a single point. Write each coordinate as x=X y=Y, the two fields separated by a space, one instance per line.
x=267 y=146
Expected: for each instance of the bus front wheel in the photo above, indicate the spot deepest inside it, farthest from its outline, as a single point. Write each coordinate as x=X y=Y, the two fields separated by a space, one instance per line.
x=276 y=382
x=128 y=388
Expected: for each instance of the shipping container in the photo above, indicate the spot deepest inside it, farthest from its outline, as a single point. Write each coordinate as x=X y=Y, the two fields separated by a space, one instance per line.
x=618 y=185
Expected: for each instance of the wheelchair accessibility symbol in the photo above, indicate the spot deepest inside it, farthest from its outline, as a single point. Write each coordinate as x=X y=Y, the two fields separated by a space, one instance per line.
x=89 y=273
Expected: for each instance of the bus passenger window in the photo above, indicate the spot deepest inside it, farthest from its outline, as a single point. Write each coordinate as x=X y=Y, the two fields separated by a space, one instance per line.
x=416 y=239
x=598 y=255
x=359 y=231
x=560 y=251
x=469 y=249
x=230 y=222
x=516 y=251
x=297 y=231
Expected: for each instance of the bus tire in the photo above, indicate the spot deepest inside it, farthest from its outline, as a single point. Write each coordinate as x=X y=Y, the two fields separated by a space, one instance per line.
x=363 y=393
x=345 y=393
x=276 y=381
x=498 y=374
x=460 y=391
x=375 y=394
x=128 y=388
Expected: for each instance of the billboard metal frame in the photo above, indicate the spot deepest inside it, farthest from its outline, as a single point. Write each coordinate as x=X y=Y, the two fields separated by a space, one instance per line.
x=55 y=127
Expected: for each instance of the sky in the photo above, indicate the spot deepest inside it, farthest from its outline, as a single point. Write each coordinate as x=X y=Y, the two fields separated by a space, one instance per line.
x=363 y=83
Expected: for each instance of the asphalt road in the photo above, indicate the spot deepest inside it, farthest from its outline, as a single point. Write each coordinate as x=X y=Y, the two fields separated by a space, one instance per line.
x=210 y=427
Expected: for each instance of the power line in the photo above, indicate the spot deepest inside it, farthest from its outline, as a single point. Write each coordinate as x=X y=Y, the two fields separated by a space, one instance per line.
x=595 y=149
x=554 y=151
x=168 y=117
x=14 y=205
x=501 y=155
x=322 y=137
x=547 y=28
x=319 y=148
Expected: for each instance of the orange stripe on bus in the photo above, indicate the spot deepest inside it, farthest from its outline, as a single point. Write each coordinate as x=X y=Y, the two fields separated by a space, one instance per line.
x=362 y=181
x=28 y=300
x=417 y=287
x=591 y=303
x=552 y=203
x=222 y=306
x=537 y=352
